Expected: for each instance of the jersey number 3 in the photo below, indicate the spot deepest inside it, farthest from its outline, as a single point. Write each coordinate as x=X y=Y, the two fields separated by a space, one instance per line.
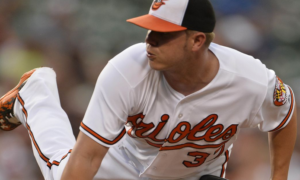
x=200 y=158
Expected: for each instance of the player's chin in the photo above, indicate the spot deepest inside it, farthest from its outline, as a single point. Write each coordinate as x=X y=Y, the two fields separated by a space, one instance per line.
x=154 y=64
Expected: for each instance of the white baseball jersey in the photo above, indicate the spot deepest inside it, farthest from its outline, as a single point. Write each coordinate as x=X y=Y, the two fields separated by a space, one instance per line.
x=168 y=135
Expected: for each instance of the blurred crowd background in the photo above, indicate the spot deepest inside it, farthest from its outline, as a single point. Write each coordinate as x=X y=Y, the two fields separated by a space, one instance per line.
x=77 y=38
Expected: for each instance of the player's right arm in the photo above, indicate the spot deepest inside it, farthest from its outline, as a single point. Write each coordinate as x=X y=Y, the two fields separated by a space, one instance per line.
x=103 y=124
x=85 y=159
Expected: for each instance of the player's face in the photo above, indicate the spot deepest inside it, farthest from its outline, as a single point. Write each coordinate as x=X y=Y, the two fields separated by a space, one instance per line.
x=167 y=51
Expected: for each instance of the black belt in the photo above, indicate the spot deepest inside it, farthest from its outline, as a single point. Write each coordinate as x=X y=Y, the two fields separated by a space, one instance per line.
x=211 y=177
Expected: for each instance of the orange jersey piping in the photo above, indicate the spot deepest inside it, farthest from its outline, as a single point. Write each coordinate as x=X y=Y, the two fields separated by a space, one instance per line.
x=102 y=139
x=223 y=166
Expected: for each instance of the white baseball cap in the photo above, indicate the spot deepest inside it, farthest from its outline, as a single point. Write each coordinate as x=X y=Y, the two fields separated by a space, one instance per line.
x=178 y=15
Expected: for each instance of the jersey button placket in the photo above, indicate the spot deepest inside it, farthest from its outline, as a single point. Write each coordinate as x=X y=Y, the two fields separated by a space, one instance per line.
x=179 y=115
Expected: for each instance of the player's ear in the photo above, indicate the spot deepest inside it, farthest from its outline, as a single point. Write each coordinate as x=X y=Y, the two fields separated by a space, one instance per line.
x=199 y=39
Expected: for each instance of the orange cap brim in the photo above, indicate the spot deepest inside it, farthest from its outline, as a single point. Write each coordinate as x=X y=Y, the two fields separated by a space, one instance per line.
x=155 y=24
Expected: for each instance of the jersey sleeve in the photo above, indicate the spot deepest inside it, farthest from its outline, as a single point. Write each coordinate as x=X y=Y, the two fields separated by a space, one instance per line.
x=108 y=109
x=277 y=107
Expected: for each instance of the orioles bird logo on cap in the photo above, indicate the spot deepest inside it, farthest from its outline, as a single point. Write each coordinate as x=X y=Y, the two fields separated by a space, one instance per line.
x=157 y=4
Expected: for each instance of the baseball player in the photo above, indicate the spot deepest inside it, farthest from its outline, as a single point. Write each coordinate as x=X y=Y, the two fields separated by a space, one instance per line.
x=169 y=108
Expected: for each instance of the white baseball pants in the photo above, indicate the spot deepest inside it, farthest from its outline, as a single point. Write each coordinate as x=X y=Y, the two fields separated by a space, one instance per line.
x=38 y=108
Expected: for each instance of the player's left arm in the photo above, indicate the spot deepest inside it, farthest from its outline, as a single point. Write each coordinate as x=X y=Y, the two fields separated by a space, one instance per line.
x=281 y=145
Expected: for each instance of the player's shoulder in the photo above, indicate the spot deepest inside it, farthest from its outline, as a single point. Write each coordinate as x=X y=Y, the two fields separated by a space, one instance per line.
x=132 y=63
x=240 y=64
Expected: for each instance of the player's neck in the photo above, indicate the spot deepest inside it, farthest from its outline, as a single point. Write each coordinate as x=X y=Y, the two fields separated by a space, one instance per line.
x=193 y=76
